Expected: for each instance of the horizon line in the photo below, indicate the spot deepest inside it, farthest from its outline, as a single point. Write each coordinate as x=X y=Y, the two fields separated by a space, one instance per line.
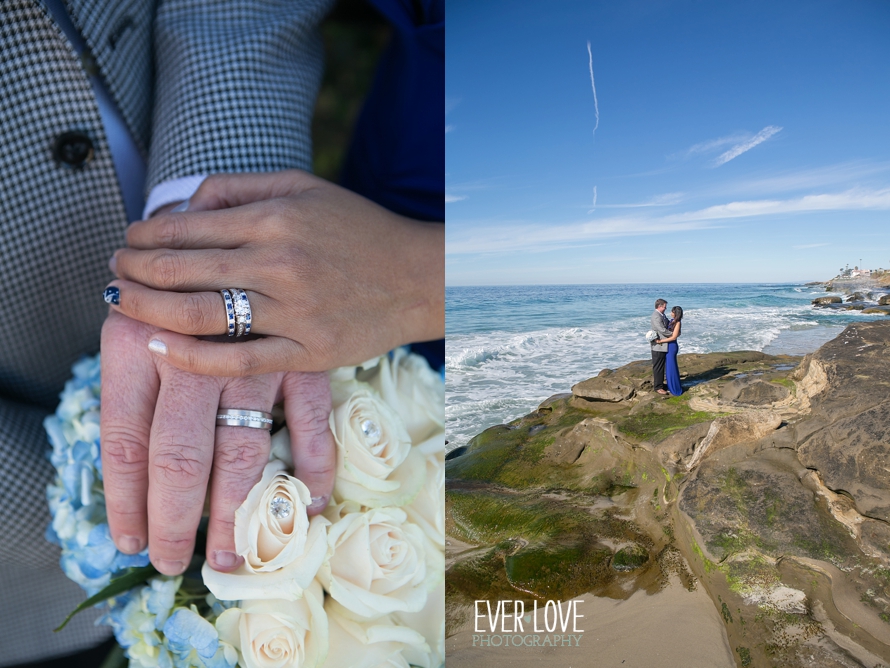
x=534 y=285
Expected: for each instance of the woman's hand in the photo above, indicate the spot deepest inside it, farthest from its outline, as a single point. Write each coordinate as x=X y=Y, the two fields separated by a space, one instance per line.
x=673 y=337
x=332 y=278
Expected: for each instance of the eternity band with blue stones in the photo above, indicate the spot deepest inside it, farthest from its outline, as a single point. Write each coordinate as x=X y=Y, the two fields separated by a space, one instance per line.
x=238 y=315
x=236 y=417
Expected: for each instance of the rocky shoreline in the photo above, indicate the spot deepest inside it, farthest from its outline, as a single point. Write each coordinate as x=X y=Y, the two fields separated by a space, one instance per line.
x=766 y=485
x=869 y=295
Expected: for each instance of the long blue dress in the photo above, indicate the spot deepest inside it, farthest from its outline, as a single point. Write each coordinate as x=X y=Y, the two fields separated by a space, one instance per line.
x=672 y=371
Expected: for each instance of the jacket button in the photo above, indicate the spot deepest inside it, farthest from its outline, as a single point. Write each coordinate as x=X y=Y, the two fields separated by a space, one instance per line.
x=73 y=149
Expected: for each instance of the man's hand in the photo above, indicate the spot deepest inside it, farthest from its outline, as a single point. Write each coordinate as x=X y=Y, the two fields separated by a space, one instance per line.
x=333 y=279
x=161 y=448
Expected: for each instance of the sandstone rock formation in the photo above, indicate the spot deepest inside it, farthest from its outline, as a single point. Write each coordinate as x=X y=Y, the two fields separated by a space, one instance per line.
x=767 y=483
x=603 y=388
x=753 y=392
x=731 y=429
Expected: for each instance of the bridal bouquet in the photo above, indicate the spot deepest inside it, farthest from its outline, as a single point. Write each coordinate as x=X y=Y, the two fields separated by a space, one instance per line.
x=360 y=586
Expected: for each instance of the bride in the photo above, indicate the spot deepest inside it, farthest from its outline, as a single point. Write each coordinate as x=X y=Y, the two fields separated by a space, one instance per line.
x=672 y=371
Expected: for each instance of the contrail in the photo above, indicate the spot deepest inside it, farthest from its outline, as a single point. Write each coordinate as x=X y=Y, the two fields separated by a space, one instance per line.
x=594 y=200
x=738 y=149
x=596 y=109
x=596 y=106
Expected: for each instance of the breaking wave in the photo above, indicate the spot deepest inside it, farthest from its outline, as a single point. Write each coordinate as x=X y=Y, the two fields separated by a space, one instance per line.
x=495 y=376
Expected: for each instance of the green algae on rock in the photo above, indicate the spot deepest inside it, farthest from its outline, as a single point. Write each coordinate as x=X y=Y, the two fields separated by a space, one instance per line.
x=766 y=483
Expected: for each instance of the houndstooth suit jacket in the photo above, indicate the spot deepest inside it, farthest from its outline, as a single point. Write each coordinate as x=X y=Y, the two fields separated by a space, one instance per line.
x=204 y=87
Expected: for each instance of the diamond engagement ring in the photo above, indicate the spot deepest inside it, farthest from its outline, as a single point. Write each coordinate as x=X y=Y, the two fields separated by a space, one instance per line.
x=238 y=314
x=236 y=417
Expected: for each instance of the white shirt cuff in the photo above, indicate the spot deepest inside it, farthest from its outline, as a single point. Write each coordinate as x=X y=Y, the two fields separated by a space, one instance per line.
x=174 y=190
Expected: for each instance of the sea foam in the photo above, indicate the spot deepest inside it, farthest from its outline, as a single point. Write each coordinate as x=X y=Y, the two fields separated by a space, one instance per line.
x=495 y=376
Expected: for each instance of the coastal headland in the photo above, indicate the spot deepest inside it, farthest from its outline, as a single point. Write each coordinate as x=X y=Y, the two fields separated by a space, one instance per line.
x=745 y=522
x=868 y=294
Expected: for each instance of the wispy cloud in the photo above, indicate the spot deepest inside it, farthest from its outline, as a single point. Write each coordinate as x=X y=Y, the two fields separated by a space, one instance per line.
x=810 y=246
x=859 y=172
x=855 y=199
x=667 y=199
x=450 y=103
x=738 y=143
x=712 y=145
x=526 y=236
x=738 y=149
x=596 y=106
x=458 y=191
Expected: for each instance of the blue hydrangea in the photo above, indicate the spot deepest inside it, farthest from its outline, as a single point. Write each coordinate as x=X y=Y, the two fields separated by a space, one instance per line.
x=195 y=642
x=137 y=618
x=76 y=499
x=226 y=657
x=142 y=617
x=217 y=607
x=162 y=598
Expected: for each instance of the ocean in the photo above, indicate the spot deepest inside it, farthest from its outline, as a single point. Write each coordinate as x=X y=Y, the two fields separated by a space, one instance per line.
x=509 y=348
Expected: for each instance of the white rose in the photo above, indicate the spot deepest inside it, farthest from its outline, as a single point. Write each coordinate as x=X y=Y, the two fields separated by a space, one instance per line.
x=370 y=644
x=413 y=389
x=282 y=548
x=278 y=633
x=379 y=563
x=280 y=449
x=342 y=374
x=376 y=465
x=345 y=373
x=427 y=510
x=430 y=623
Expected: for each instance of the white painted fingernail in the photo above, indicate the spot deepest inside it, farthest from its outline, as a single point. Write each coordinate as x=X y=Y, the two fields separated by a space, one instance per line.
x=158 y=347
x=183 y=206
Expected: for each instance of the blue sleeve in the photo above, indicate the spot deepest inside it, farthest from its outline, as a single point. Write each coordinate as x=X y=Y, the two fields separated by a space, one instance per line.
x=397 y=157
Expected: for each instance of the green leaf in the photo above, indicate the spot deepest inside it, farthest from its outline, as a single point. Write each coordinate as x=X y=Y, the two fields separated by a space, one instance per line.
x=132 y=578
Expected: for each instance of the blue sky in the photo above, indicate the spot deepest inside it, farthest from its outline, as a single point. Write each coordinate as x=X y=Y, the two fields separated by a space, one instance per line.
x=734 y=141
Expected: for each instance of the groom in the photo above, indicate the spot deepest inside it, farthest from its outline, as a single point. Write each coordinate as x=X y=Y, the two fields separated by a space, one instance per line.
x=659 y=350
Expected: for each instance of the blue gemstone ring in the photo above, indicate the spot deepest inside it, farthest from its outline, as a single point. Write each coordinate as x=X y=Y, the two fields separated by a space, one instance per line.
x=230 y=310
x=237 y=311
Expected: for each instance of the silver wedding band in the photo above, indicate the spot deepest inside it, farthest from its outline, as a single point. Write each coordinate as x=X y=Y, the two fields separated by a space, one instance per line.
x=238 y=315
x=236 y=417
